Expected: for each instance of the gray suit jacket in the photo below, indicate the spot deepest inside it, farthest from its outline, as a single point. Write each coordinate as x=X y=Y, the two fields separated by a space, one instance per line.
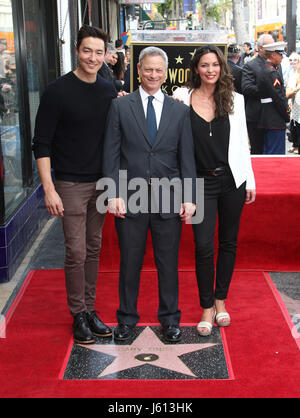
x=127 y=145
x=106 y=73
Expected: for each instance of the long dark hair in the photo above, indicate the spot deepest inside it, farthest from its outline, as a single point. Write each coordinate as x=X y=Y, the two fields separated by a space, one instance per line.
x=119 y=67
x=223 y=93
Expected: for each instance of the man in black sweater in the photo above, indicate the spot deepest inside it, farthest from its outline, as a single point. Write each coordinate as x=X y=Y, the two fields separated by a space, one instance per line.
x=68 y=137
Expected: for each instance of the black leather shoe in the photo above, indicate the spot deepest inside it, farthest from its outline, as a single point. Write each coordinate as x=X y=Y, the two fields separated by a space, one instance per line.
x=172 y=333
x=97 y=327
x=123 y=332
x=81 y=330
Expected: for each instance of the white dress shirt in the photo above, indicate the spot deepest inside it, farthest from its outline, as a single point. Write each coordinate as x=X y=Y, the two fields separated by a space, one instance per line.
x=158 y=103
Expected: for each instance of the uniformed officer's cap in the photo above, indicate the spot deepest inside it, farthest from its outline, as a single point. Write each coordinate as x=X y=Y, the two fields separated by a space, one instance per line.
x=275 y=47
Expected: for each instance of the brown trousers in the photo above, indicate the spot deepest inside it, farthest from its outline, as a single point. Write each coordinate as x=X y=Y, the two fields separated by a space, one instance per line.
x=82 y=225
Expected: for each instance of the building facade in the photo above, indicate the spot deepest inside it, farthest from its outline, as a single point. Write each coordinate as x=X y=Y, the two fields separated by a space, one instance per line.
x=37 y=44
x=257 y=12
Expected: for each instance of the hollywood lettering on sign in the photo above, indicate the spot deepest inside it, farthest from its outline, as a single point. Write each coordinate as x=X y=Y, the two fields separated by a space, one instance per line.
x=179 y=55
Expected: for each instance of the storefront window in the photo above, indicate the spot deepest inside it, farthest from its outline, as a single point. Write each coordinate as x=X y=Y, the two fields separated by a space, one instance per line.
x=9 y=112
x=33 y=56
x=67 y=24
x=33 y=60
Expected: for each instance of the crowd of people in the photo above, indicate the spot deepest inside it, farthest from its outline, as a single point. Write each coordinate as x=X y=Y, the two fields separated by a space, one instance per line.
x=271 y=110
x=269 y=81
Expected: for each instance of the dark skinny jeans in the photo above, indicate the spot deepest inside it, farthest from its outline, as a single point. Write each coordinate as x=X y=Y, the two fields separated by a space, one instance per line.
x=223 y=200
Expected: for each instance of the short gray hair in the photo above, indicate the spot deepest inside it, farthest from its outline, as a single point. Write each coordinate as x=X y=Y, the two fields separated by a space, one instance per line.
x=261 y=39
x=111 y=49
x=153 y=50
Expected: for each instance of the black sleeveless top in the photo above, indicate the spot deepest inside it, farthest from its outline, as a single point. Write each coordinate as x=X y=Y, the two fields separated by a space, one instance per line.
x=211 y=141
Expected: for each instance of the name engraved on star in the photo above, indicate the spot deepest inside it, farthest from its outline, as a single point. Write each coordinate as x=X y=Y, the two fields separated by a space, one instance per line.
x=167 y=348
x=128 y=348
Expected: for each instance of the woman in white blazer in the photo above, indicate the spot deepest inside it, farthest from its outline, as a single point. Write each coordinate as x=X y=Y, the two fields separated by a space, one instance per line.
x=223 y=160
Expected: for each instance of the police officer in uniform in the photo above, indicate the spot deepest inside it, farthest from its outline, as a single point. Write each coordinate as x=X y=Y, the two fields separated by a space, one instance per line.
x=274 y=110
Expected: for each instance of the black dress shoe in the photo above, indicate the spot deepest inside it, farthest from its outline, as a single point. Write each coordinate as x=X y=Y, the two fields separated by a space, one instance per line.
x=123 y=332
x=172 y=333
x=97 y=327
x=81 y=330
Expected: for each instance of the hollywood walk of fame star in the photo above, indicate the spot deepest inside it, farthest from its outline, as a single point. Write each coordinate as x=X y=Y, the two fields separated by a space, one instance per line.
x=293 y=305
x=147 y=348
x=179 y=60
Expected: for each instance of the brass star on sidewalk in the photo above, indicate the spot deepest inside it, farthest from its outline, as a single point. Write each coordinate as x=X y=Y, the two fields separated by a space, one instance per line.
x=147 y=348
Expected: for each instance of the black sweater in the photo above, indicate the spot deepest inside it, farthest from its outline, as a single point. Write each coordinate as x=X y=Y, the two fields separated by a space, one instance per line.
x=70 y=127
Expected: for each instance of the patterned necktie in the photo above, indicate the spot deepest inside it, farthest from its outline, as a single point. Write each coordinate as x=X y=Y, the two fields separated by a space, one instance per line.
x=151 y=120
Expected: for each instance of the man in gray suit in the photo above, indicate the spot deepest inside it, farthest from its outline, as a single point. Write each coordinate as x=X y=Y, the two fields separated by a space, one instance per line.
x=106 y=72
x=149 y=138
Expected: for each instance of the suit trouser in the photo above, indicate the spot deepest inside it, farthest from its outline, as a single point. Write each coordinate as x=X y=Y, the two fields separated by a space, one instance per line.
x=256 y=137
x=82 y=225
x=132 y=233
x=222 y=199
x=274 y=142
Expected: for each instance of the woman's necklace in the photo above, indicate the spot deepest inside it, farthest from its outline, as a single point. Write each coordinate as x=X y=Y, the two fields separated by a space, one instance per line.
x=210 y=130
x=206 y=103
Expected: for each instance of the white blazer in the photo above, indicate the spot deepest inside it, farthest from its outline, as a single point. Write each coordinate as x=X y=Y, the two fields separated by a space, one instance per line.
x=239 y=157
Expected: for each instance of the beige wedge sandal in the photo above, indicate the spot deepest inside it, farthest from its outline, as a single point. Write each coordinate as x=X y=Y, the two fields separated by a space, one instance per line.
x=223 y=319
x=207 y=325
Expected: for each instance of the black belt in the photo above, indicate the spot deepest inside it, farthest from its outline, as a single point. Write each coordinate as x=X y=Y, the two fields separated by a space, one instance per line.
x=216 y=172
